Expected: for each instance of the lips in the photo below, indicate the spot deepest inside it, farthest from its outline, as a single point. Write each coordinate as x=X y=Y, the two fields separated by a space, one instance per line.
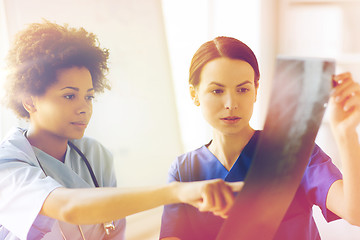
x=231 y=119
x=80 y=123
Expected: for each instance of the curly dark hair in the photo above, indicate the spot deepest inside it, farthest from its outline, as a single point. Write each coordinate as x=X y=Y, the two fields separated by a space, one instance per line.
x=43 y=48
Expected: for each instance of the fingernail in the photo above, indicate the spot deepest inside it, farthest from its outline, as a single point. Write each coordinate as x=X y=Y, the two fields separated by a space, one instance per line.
x=337 y=99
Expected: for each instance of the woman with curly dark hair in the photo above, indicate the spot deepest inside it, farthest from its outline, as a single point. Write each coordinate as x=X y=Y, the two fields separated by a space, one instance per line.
x=54 y=182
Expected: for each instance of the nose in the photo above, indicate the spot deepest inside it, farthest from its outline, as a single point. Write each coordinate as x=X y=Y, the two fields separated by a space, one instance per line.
x=84 y=107
x=230 y=102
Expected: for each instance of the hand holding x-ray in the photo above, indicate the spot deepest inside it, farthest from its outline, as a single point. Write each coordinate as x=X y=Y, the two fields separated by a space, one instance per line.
x=345 y=103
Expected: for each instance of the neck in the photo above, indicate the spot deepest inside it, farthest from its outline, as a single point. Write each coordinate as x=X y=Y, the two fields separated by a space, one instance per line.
x=48 y=142
x=227 y=148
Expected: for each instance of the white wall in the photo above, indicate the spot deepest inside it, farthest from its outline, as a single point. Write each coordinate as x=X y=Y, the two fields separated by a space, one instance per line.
x=191 y=23
x=137 y=119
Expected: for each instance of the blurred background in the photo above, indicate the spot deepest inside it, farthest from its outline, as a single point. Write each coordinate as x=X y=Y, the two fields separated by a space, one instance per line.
x=147 y=119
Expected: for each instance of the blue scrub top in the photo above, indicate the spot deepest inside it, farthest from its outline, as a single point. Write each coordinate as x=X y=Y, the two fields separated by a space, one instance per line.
x=186 y=222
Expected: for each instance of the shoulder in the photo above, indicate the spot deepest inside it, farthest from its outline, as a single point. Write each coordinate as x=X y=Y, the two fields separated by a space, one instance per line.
x=194 y=155
x=186 y=157
x=189 y=166
x=13 y=138
x=318 y=156
x=16 y=146
x=320 y=166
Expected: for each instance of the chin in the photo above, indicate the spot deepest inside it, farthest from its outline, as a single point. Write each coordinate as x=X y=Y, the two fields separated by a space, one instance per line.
x=76 y=135
x=235 y=131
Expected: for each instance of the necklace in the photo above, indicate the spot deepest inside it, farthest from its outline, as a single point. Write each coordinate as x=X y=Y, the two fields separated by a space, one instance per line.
x=80 y=229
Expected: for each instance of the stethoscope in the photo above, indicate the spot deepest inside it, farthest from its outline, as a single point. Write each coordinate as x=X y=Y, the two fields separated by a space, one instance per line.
x=107 y=226
x=93 y=177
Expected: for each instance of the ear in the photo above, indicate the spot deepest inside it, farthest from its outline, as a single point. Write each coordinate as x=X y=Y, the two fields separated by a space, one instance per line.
x=194 y=95
x=28 y=104
x=256 y=91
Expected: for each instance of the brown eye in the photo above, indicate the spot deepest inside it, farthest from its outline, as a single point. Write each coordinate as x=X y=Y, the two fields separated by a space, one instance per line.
x=243 y=90
x=69 y=96
x=90 y=98
x=217 y=91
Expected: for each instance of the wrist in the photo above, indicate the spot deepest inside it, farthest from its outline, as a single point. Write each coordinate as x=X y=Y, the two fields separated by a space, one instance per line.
x=345 y=135
x=175 y=190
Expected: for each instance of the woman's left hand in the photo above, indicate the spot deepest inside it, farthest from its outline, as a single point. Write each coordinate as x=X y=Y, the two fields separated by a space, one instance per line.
x=345 y=103
x=344 y=195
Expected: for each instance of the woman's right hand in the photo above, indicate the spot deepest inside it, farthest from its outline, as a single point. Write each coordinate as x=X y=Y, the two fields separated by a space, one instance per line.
x=215 y=195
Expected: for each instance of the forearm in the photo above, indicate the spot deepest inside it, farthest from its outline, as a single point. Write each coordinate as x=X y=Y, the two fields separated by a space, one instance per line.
x=344 y=196
x=349 y=149
x=98 y=205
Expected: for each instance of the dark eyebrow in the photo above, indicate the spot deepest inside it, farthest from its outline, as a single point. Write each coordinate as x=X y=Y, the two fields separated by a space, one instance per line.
x=217 y=84
x=239 y=85
x=243 y=83
x=73 y=88
x=77 y=89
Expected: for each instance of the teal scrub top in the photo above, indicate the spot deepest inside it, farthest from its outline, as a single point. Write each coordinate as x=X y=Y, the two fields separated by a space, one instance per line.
x=24 y=187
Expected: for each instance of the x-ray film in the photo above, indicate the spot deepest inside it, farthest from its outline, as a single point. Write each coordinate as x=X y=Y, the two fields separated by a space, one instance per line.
x=300 y=92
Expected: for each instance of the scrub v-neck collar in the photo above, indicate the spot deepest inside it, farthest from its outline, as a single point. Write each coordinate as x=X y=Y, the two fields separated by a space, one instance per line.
x=240 y=167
